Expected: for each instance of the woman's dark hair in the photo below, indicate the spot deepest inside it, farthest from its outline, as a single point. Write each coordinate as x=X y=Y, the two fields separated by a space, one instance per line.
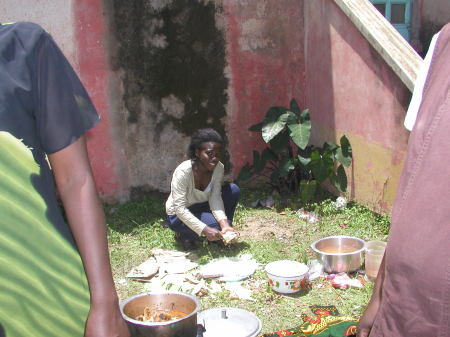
x=202 y=136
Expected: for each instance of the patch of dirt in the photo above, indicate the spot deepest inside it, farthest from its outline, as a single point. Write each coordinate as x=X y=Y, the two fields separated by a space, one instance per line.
x=260 y=229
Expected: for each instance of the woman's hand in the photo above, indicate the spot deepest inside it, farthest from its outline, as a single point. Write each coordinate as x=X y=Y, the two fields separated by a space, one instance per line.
x=212 y=234
x=105 y=321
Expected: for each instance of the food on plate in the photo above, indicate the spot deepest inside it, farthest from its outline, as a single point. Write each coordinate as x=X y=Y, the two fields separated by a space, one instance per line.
x=160 y=315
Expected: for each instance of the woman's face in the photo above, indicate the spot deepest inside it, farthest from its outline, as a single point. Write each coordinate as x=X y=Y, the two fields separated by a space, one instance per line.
x=209 y=155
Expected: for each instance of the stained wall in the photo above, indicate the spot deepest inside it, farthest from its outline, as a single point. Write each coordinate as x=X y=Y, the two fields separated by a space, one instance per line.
x=350 y=90
x=428 y=17
x=78 y=28
x=159 y=69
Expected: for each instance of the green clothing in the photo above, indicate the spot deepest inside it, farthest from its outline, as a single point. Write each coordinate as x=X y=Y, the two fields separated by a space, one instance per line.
x=44 y=108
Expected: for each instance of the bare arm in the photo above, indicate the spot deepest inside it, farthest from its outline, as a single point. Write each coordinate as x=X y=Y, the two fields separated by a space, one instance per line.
x=367 y=319
x=86 y=219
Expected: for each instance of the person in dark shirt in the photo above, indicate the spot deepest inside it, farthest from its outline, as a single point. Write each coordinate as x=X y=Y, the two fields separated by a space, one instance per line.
x=55 y=278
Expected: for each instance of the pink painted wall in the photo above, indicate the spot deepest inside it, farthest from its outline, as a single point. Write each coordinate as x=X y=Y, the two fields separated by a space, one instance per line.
x=427 y=17
x=276 y=50
x=266 y=67
x=350 y=90
x=92 y=56
x=79 y=28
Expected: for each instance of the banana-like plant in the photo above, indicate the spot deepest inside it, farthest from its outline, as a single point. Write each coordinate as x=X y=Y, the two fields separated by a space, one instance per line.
x=290 y=163
x=31 y=250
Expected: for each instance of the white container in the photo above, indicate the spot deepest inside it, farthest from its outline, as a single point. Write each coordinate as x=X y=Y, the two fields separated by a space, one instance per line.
x=374 y=256
x=286 y=276
x=225 y=322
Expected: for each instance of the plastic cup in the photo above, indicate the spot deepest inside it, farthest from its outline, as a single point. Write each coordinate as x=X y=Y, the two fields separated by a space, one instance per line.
x=374 y=255
x=375 y=245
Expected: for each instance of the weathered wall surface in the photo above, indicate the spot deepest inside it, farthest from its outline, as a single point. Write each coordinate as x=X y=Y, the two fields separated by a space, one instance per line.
x=54 y=16
x=181 y=65
x=78 y=27
x=158 y=70
x=428 y=17
x=168 y=58
x=351 y=90
x=266 y=66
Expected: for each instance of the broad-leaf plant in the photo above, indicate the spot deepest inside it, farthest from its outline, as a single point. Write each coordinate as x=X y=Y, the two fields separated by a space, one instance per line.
x=290 y=162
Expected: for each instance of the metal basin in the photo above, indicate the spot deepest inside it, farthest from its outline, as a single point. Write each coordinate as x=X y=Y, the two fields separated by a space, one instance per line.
x=340 y=253
x=183 y=327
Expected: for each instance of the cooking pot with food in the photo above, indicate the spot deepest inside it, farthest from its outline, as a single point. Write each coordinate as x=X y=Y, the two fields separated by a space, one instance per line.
x=162 y=314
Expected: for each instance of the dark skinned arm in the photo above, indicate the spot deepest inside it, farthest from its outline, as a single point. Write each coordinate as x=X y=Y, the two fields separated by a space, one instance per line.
x=86 y=219
x=211 y=234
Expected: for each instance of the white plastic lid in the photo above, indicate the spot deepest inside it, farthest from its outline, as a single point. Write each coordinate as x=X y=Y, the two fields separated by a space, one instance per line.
x=225 y=322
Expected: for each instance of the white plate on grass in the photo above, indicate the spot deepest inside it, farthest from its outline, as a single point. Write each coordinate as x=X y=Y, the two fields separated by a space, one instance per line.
x=230 y=268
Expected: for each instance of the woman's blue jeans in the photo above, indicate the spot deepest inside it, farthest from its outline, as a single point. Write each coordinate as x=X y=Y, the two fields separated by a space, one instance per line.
x=230 y=197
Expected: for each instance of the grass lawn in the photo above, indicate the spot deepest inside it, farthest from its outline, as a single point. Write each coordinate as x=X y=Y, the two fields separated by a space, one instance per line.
x=135 y=228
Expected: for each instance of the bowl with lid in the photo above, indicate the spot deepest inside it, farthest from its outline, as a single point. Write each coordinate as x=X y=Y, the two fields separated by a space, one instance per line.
x=286 y=276
x=340 y=253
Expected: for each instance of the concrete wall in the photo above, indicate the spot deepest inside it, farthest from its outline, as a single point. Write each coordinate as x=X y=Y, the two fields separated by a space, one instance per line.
x=79 y=29
x=181 y=65
x=157 y=70
x=54 y=16
x=168 y=79
x=428 y=17
x=266 y=66
x=350 y=90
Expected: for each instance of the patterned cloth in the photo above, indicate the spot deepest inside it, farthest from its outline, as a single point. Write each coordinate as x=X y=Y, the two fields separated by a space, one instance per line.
x=328 y=323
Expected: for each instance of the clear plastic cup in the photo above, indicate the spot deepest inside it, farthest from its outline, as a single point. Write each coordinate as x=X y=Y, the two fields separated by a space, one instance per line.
x=374 y=255
x=375 y=245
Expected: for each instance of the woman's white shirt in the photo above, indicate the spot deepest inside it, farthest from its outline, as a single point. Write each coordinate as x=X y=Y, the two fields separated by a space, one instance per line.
x=184 y=194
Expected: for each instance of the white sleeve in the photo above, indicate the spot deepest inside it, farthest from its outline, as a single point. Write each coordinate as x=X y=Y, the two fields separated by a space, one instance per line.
x=215 y=198
x=416 y=99
x=179 y=190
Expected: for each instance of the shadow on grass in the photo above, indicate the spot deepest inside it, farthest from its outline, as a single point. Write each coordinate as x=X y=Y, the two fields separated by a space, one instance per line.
x=303 y=292
x=282 y=201
x=209 y=250
x=130 y=216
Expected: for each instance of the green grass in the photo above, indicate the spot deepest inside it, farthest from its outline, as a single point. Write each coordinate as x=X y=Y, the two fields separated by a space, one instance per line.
x=135 y=228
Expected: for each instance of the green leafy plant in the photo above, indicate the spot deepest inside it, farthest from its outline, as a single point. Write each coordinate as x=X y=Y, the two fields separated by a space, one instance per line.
x=289 y=162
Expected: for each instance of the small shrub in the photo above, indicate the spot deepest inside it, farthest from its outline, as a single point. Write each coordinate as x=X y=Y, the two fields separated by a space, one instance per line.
x=289 y=162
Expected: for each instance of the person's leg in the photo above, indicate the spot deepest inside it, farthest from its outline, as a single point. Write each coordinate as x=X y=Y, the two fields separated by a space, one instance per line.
x=230 y=196
x=178 y=226
x=209 y=219
x=200 y=211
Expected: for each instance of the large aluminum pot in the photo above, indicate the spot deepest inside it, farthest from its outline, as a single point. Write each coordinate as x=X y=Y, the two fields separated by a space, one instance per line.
x=340 y=253
x=183 y=327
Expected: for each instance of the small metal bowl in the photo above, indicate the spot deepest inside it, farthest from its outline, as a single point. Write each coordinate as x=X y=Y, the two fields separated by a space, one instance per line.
x=340 y=253
x=170 y=300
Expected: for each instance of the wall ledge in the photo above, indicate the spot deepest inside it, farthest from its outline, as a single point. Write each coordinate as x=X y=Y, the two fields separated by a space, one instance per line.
x=384 y=38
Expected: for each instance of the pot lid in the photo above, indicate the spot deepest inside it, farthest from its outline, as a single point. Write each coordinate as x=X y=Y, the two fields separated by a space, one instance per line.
x=225 y=322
